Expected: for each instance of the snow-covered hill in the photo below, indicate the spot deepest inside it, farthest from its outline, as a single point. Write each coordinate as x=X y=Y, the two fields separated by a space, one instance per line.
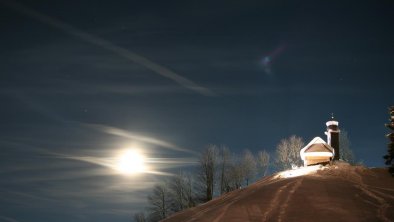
x=336 y=193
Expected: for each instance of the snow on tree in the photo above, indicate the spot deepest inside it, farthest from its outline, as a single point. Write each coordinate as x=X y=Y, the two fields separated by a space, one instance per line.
x=208 y=164
x=249 y=166
x=172 y=195
x=345 y=152
x=236 y=173
x=181 y=192
x=225 y=161
x=159 y=202
x=389 y=157
x=139 y=217
x=263 y=159
x=190 y=190
x=288 y=153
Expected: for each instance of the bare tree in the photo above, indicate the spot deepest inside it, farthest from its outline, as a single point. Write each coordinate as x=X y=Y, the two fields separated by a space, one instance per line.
x=345 y=153
x=389 y=157
x=224 y=169
x=263 y=158
x=160 y=202
x=190 y=190
x=208 y=164
x=177 y=187
x=236 y=174
x=288 y=152
x=139 y=217
x=249 y=166
x=182 y=192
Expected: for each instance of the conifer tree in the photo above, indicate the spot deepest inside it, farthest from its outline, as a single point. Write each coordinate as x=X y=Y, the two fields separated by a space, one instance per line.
x=389 y=157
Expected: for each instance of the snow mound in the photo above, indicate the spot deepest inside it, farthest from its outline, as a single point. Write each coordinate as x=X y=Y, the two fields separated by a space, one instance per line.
x=299 y=171
x=316 y=193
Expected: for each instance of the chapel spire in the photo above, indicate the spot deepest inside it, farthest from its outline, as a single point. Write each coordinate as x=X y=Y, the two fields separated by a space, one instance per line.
x=333 y=135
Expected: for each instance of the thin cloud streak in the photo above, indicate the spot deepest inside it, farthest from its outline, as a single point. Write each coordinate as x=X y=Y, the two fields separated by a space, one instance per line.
x=108 y=166
x=8 y=219
x=159 y=173
x=25 y=199
x=71 y=30
x=105 y=162
x=112 y=163
x=190 y=161
x=127 y=134
x=74 y=88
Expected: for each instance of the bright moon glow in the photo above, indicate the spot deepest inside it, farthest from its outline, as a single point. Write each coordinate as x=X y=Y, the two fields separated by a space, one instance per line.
x=131 y=162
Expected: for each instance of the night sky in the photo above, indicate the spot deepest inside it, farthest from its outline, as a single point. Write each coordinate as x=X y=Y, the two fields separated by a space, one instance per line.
x=80 y=81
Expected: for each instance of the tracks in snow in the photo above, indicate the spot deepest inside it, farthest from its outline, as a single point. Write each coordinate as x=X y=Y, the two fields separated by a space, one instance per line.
x=224 y=203
x=280 y=201
x=278 y=206
x=372 y=192
x=383 y=205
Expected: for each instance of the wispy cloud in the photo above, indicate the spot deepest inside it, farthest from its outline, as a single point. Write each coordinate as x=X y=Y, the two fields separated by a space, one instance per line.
x=60 y=164
x=135 y=136
x=79 y=88
x=87 y=37
x=8 y=219
x=111 y=163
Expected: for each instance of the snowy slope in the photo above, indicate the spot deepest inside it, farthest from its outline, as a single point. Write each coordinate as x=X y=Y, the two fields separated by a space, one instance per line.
x=336 y=193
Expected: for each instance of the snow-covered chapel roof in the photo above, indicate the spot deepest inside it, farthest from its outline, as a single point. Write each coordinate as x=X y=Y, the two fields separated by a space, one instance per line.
x=317 y=147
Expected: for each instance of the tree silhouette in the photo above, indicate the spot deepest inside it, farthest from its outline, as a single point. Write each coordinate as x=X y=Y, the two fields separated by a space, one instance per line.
x=225 y=163
x=345 y=152
x=389 y=157
x=208 y=166
x=159 y=202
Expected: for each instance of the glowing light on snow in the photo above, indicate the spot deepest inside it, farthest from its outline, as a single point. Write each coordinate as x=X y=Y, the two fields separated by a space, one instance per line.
x=131 y=162
x=300 y=171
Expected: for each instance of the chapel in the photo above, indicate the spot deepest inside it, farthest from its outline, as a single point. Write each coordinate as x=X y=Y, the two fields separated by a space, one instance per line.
x=319 y=151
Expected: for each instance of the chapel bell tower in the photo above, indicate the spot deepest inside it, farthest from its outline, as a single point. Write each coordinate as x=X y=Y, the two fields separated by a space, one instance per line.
x=333 y=135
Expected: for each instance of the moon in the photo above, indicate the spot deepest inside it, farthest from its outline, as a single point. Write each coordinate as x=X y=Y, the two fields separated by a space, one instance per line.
x=131 y=162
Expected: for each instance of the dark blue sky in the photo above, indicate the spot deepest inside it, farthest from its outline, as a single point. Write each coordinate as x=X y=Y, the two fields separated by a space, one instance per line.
x=80 y=81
